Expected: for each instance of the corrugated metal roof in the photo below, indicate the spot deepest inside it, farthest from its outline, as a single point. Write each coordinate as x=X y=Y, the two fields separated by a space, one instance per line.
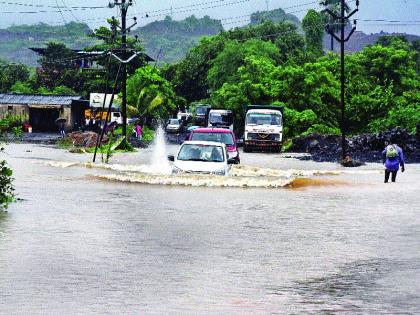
x=38 y=99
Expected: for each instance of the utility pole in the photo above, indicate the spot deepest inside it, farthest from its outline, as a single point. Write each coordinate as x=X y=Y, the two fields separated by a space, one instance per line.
x=125 y=58
x=124 y=8
x=343 y=18
x=266 y=4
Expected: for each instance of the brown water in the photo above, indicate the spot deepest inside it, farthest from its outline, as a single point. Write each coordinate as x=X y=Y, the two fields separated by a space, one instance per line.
x=280 y=236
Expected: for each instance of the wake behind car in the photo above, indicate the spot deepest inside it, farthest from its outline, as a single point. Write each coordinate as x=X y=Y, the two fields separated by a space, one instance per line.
x=201 y=157
x=223 y=135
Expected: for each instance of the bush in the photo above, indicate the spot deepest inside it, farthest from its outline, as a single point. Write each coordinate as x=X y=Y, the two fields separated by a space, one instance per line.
x=148 y=134
x=6 y=187
x=322 y=129
x=10 y=121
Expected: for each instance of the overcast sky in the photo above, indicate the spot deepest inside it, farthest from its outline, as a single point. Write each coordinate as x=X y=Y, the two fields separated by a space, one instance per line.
x=232 y=12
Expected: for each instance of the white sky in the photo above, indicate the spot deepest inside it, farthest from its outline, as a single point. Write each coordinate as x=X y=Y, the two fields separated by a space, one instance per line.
x=232 y=12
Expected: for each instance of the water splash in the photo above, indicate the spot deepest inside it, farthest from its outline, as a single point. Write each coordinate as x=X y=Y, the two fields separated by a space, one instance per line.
x=159 y=163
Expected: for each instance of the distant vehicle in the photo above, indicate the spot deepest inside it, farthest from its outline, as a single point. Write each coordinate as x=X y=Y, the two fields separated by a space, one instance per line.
x=222 y=135
x=263 y=127
x=201 y=157
x=174 y=126
x=221 y=118
x=101 y=115
x=186 y=117
x=201 y=115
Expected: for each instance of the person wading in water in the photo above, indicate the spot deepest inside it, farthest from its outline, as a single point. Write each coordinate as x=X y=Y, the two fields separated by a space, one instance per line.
x=392 y=158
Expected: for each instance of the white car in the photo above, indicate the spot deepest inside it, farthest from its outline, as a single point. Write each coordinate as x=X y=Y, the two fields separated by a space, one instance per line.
x=202 y=157
x=174 y=125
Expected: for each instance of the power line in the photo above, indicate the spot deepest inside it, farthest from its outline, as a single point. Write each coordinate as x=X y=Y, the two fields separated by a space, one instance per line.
x=49 y=6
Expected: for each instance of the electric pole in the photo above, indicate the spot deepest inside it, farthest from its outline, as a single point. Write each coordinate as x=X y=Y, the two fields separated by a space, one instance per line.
x=124 y=8
x=124 y=59
x=343 y=18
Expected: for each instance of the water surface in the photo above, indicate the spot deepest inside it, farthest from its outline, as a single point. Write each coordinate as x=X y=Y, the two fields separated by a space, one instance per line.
x=86 y=240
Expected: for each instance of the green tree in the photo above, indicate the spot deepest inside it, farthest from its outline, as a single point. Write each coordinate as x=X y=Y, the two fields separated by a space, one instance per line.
x=313 y=26
x=10 y=73
x=58 y=67
x=151 y=94
x=226 y=64
x=6 y=183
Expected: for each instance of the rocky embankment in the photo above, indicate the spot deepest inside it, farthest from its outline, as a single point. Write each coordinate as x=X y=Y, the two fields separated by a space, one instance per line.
x=363 y=148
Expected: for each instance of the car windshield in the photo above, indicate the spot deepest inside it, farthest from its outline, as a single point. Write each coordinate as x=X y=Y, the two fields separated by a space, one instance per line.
x=200 y=152
x=221 y=118
x=174 y=122
x=263 y=119
x=225 y=138
x=201 y=110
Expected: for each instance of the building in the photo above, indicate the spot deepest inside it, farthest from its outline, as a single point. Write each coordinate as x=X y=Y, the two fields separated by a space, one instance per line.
x=41 y=111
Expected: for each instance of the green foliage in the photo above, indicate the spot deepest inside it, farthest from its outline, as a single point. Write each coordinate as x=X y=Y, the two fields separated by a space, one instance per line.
x=10 y=74
x=169 y=40
x=151 y=94
x=58 y=68
x=9 y=122
x=295 y=123
x=189 y=77
x=6 y=184
x=277 y=15
x=148 y=134
x=405 y=114
x=313 y=25
x=322 y=129
x=23 y=88
x=225 y=65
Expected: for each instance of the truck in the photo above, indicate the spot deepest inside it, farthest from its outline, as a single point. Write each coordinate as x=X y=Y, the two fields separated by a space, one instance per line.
x=98 y=114
x=263 y=127
x=220 y=118
x=201 y=114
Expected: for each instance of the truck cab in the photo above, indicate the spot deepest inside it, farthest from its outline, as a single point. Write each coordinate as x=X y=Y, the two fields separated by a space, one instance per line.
x=263 y=128
x=201 y=115
x=220 y=118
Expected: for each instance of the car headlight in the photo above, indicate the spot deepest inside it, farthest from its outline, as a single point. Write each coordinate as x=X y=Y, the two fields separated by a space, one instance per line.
x=220 y=172
x=233 y=154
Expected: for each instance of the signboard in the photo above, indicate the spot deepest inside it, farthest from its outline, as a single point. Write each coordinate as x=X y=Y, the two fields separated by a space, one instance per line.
x=97 y=100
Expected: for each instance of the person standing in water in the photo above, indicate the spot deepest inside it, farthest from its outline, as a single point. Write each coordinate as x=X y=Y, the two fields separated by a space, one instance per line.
x=392 y=158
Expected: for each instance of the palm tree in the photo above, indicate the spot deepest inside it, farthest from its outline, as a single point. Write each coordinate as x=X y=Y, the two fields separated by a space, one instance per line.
x=335 y=7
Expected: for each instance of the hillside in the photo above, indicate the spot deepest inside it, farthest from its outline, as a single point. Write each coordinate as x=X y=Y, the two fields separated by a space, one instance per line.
x=277 y=15
x=15 y=40
x=359 y=40
x=166 y=40
x=169 y=40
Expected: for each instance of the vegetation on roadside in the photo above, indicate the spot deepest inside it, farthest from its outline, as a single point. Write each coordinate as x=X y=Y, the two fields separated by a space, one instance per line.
x=6 y=184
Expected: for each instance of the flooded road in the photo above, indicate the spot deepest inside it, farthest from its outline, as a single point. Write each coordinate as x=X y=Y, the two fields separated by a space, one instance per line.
x=130 y=239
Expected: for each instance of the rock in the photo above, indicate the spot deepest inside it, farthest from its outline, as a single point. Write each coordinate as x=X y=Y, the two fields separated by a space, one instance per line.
x=364 y=147
x=85 y=139
x=349 y=162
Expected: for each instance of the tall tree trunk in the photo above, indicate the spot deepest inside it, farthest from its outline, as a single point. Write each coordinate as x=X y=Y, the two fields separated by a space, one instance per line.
x=332 y=42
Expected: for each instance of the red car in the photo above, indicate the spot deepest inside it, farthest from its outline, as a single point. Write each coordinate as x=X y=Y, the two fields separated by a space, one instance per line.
x=222 y=135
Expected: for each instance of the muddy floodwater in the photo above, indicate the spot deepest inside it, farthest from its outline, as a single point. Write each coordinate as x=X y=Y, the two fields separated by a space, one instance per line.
x=278 y=236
